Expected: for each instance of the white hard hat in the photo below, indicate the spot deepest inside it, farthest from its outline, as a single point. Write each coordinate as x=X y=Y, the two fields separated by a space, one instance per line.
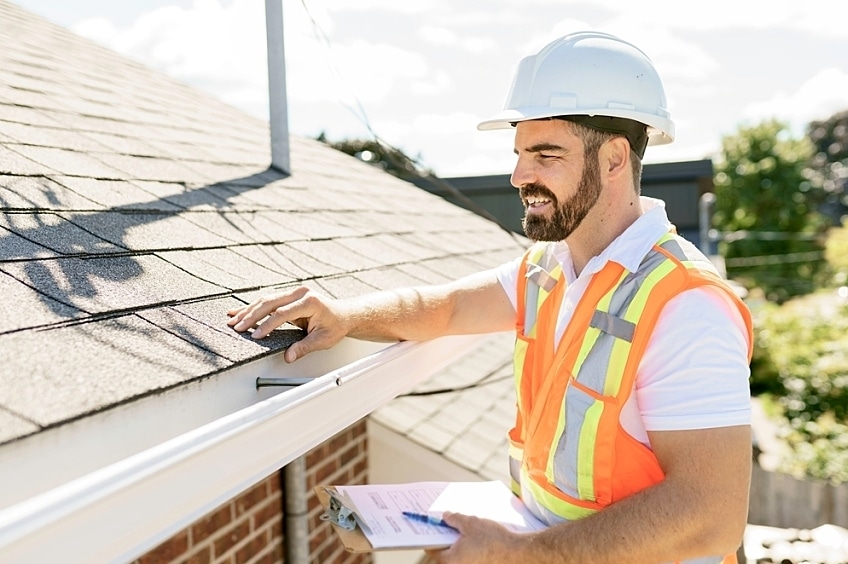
x=588 y=74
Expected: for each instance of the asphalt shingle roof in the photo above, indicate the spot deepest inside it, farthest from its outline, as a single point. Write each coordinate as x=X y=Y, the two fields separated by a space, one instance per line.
x=134 y=211
x=468 y=419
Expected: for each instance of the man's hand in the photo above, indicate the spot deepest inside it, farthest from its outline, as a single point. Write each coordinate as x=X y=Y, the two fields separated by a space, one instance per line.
x=318 y=315
x=474 y=304
x=482 y=541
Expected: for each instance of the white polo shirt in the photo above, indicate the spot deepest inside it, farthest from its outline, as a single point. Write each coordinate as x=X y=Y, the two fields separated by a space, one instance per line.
x=694 y=373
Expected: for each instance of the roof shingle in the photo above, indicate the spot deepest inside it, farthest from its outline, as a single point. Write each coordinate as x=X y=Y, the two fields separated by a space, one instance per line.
x=134 y=211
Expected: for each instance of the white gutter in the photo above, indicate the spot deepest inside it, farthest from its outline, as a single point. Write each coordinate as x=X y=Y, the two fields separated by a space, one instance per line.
x=117 y=513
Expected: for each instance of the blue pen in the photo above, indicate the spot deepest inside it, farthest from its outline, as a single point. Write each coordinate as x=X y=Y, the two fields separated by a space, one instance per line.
x=427 y=519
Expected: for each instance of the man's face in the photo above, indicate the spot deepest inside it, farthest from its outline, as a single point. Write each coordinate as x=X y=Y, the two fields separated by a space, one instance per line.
x=556 y=199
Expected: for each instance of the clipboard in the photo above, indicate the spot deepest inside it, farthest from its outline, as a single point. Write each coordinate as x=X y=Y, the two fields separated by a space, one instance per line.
x=382 y=525
x=340 y=512
x=343 y=519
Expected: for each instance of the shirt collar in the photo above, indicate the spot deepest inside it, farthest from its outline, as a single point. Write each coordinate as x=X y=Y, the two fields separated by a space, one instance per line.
x=629 y=248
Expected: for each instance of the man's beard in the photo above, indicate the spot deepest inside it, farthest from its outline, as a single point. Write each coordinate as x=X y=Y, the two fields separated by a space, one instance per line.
x=566 y=216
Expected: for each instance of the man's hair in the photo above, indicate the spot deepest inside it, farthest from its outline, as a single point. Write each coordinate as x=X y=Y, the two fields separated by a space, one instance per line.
x=593 y=139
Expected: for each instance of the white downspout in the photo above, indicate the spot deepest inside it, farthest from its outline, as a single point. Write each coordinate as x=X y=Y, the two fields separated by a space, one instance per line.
x=278 y=105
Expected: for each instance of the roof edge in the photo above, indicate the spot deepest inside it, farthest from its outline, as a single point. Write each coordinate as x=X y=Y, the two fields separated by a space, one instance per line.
x=113 y=514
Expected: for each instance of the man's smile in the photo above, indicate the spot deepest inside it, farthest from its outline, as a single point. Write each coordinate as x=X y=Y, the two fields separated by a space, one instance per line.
x=536 y=201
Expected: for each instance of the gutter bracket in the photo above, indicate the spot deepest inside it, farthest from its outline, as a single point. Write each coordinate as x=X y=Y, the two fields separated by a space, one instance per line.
x=266 y=382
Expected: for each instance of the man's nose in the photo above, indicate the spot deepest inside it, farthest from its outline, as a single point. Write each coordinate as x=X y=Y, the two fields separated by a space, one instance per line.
x=522 y=174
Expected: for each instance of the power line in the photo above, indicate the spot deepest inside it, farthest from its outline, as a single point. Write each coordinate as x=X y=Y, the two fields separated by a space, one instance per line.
x=745 y=235
x=770 y=260
x=484 y=381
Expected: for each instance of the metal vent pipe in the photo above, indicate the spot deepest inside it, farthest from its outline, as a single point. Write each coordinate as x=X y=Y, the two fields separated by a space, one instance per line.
x=277 y=102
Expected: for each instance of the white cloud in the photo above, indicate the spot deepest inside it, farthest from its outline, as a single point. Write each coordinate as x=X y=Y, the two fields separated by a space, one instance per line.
x=445 y=124
x=218 y=48
x=437 y=35
x=818 y=98
x=417 y=7
x=222 y=48
x=811 y=16
x=427 y=71
x=478 y=44
x=373 y=69
x=437 y=83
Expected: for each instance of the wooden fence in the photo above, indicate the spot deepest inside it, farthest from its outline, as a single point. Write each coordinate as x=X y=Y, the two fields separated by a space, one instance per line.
x=779 y=500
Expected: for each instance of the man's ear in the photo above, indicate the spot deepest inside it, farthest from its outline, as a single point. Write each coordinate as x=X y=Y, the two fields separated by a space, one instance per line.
x=615 y=157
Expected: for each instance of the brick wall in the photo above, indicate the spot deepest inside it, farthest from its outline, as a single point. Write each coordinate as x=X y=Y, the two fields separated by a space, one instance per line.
x=249 y=528
x=341 y=460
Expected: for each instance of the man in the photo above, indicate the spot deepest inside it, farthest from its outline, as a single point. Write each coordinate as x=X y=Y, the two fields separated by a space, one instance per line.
x=632 y=436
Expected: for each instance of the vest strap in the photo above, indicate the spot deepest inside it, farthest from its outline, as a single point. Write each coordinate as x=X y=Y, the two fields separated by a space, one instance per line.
x=612 y=325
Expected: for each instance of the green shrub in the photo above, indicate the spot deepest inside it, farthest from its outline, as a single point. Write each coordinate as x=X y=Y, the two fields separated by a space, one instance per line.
x=803 y=357
x=818 y=449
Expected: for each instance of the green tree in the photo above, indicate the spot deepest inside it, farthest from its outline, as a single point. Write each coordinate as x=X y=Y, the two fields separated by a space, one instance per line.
x=830 y=162
x=392 y=160
x=836 y=251
x=767 y=209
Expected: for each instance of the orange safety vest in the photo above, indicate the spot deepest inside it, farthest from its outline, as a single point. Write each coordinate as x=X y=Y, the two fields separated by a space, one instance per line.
x=568 y=449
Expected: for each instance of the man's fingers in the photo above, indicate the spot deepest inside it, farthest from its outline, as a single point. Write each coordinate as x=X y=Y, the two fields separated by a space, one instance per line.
x=300 y=307
x=456 y=520
x=276 y=317
x=246 y=317
x=297 y=350
x=273 y=320
x=317 y=340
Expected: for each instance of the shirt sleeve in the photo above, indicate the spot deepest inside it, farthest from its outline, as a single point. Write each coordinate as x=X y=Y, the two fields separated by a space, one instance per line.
x=695 y=371
x=507 y=274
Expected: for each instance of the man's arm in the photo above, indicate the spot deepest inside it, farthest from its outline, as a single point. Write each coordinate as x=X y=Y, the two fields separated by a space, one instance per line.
x=700 y=509
x=474 y=304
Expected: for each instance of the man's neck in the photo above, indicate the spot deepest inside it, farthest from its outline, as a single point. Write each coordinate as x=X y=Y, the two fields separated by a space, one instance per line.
x=603 y=225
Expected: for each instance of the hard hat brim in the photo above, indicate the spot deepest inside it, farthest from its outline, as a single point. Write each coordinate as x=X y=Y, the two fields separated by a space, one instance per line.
x=660 y=130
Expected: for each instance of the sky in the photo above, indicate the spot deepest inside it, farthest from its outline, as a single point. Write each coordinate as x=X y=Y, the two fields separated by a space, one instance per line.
x=421 y=74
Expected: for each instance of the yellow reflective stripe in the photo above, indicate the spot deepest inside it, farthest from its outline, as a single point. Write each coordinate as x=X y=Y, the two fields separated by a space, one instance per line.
x=589 y=337
x=518 y=360
x=560 y=427
x=531 y=289
x=665 y=238
x=552 y=503
x=615 y=370
x=586 y=448
x=516 y=456
x=640 y=300
x=514 y=486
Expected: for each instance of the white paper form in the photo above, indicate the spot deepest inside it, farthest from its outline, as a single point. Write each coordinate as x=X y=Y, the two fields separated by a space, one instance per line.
x=487 y=500
x=379 y=507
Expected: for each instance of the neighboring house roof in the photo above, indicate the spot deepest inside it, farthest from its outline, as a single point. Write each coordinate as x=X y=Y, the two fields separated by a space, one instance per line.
x=134 y=211
x=464 y=411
